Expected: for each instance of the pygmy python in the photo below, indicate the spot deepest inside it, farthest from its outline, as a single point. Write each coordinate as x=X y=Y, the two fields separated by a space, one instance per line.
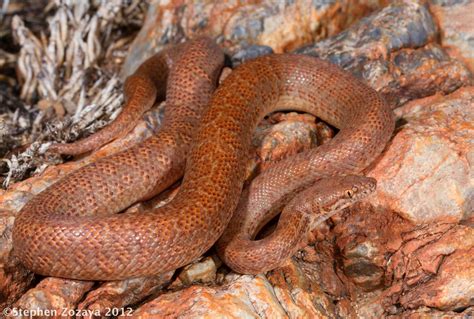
x=72 y=228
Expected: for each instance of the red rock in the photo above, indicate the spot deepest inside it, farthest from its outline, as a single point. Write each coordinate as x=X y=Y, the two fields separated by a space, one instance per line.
x=456 y=21
x=243 y=296
x=320 y=269
x=54 y=294
x=281 y=25
x=425 y=175
x=439 y=270
x=432 y=267
x=201 y=272
x=292 y=134
x=119 y=295
x=14 y=278
x=287 y=292
x=364 y=237
x=394 y=50
x=428 y=313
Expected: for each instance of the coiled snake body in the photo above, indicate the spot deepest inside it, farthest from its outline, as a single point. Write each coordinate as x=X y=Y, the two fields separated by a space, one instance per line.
x=72 y=230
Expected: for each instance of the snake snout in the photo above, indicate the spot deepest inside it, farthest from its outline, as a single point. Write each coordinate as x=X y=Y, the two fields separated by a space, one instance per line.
x=369 y=185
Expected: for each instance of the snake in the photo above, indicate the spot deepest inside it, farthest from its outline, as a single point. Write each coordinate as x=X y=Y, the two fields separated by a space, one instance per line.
x=76 y=228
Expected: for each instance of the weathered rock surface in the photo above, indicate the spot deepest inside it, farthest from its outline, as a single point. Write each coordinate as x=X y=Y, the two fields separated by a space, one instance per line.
x=427 y=313
x=14 y=279
x=456 y=20
x=120 y=295
x=395 y=51
x=440 y=273
x=426 y=174
x=287 y=292
x=283 y=135
x=54 y=294
x=283 y=25
x=431 y=268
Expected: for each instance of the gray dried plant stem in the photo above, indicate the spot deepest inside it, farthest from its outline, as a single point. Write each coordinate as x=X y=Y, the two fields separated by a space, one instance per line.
x=55 y=71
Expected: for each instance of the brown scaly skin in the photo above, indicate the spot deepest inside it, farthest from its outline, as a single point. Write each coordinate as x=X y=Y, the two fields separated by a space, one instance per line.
x=68 y=230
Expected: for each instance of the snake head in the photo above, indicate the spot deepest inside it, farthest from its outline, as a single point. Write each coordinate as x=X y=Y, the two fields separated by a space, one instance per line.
x=342 y=191
x=357 y=187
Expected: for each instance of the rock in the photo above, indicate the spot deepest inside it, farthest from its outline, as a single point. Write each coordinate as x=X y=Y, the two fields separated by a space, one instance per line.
x=419 y=73
x=449 y=280
x=405 y=266
x=394 y=51
x=287 y=293
x=457 y=27
x=364 y=236
x=282 y=136
x=14 y=278
x=120 y=294
x=54 y=294
x=201 y=272
x=426 y=173
x=402 y=24
x=249 y=53
x=324 y=133
x=243 y=296
x=433 y=268
x=427 y=313
x=282 y=26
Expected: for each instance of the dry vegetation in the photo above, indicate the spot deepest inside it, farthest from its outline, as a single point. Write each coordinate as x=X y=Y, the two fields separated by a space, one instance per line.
x=59 y=77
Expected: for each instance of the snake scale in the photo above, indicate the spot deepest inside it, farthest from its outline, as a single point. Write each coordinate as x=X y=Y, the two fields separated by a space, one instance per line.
x=72 y=228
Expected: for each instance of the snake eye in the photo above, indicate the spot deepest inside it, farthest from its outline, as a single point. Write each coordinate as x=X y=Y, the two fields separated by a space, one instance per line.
x=349 y=193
